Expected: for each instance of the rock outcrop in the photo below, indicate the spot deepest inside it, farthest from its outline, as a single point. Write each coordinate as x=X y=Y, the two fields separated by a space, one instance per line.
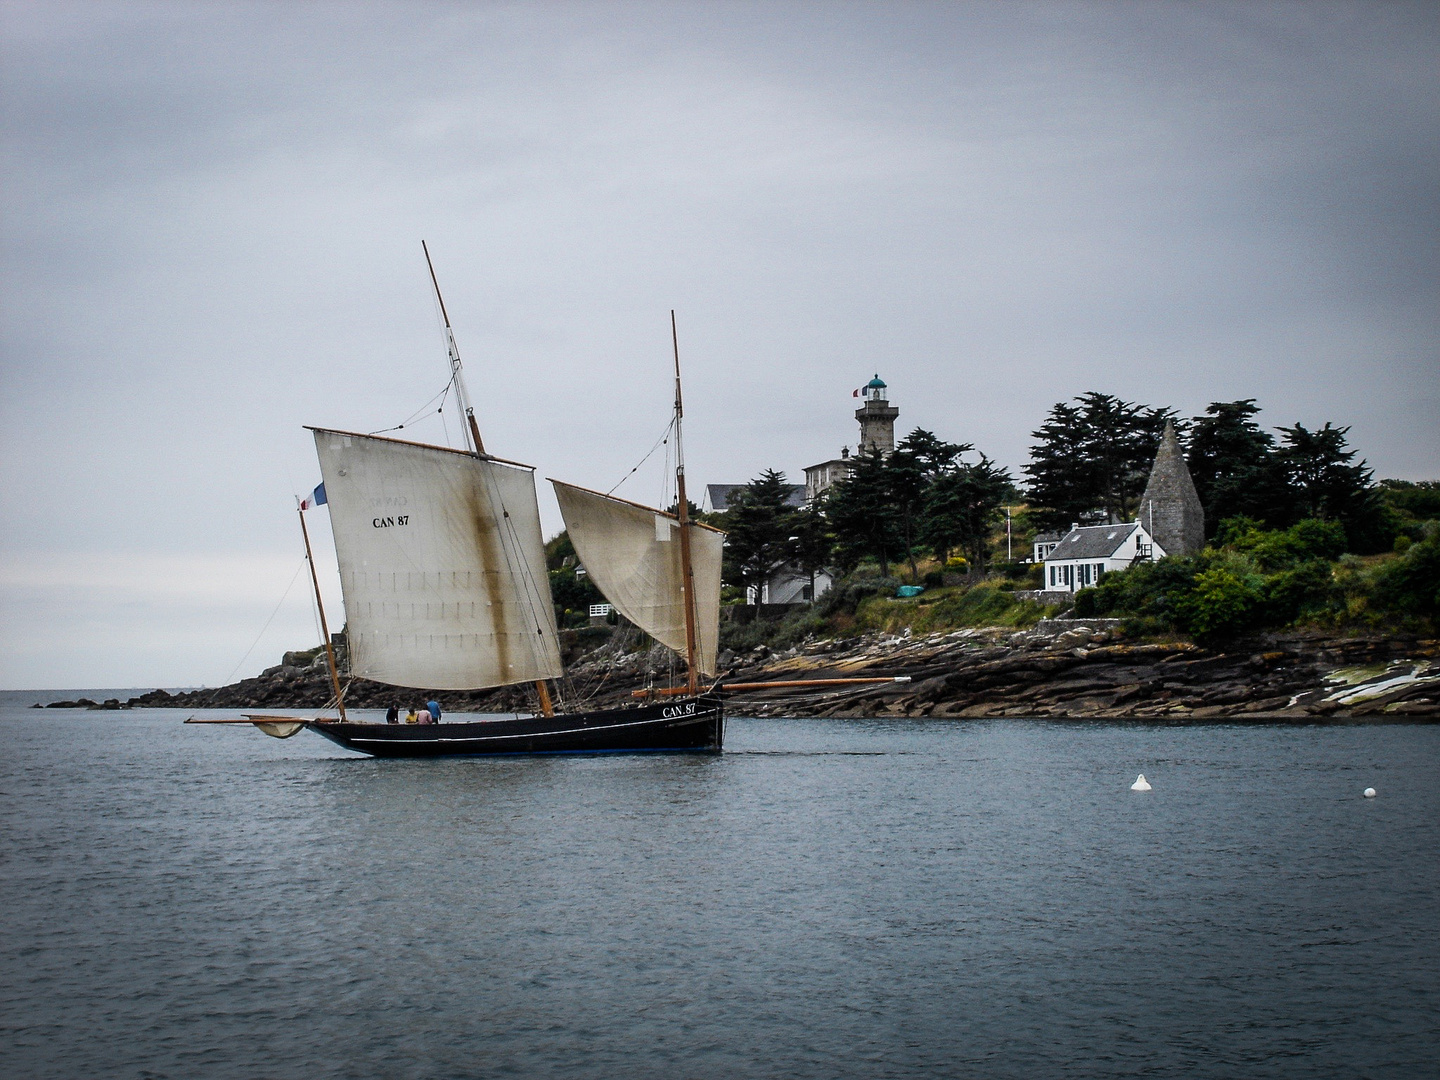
x=1079 y=669
x=1062 y=668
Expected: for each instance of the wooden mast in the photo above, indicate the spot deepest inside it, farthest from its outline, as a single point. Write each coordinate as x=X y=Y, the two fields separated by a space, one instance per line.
x=472 y=429
x=687 y=572
x=324 y=626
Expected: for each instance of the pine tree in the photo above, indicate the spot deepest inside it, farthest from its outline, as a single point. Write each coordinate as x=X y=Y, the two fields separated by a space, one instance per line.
x=864 y=516
x=1236 y=468
x=810 y=543
x=912 y=469
x=961 y=508
x=759 y=527
x=1327 y=484
x=1092 y=459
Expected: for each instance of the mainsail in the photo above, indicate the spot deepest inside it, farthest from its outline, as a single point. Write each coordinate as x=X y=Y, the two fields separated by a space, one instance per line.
x=442 y=564
x=632 y=553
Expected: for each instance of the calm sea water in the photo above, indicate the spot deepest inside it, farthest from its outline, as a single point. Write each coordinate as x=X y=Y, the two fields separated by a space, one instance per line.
x=826 y=899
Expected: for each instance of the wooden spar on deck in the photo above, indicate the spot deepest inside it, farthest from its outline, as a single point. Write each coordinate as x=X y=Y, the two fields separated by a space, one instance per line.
x=687 y=573
x=790 y=684
x=324 y=626
x=472 y=428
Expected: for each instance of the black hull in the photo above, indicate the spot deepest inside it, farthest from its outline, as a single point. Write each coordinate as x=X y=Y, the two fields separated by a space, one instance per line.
x=682 y=724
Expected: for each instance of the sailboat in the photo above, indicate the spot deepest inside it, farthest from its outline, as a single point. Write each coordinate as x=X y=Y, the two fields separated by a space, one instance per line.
x=442 y=570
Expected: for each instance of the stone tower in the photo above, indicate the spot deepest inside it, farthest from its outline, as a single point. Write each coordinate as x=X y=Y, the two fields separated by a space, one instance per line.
x=1170 y=508
x=877 y=419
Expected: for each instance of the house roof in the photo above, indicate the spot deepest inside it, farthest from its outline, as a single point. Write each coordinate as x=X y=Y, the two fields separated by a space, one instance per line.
x=719 y=495
x=1047 y=537
x=1092 y=542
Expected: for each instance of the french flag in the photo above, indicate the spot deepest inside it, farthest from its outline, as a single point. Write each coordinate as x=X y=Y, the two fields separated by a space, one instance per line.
x=317 y=498
x=854 y=393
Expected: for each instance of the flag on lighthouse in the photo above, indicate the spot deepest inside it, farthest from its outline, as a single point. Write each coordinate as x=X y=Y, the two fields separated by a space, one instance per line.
x=317 y=498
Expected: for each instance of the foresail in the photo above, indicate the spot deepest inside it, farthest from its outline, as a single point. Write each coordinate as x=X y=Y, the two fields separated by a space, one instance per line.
x=442 y=564
x=632 y=553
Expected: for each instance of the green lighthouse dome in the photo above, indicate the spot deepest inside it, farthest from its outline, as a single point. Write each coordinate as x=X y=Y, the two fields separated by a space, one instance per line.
x=876 y=383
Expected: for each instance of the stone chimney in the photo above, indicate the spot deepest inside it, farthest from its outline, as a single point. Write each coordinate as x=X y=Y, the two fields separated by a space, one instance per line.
x=1170 y=508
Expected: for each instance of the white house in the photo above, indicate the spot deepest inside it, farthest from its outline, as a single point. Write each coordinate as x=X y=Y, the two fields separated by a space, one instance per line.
x=788 y=584
x=1083 y=555
x=717 y=498
x=822 y=477
x=1045 y=543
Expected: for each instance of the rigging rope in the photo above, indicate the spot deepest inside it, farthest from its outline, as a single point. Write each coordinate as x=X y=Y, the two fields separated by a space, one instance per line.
x=664 y=438
x=283 y=597
x=531 y=587
x=425 y=410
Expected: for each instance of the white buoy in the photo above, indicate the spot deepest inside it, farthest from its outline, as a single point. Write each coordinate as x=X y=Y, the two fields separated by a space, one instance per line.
x=1140 y=784
x=1369 y=793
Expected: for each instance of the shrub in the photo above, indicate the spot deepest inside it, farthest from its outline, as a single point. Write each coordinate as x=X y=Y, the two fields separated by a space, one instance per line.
x=1409 y=584
x=1149 y=589
x=1220 y=603
x=1277 y=549
x=1304 y=591
x=845 y=598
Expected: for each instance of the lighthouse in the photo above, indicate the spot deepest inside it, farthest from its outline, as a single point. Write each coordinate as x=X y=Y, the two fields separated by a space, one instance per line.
x=877 y=419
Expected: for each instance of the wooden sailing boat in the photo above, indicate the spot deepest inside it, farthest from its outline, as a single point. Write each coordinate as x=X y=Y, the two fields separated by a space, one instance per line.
x=442 y=566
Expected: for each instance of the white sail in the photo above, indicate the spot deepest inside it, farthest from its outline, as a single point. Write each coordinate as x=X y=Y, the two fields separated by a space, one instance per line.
x=632 y=553
x=441 y=562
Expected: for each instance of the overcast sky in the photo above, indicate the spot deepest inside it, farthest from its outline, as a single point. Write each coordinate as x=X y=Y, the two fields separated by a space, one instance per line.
x=212 y=217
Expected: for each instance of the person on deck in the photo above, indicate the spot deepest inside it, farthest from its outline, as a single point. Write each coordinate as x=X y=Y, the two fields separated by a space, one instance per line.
x=425 y=717
x=434 y=707
x=410 y=717
x=392 y=714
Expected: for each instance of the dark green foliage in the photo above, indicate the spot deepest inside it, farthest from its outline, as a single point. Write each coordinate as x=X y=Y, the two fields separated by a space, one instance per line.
x=572 y=594
x=1410 y=583
x=911 y=471
x=692 y=512
x=864 y=515
x=1409 y=505
x=961 y=507
x=1156 y=589
x=1092 y=459
x=1326 y=483
x=1420 y=500
x=1057 y=488
x=1303 y=591
x=923 y=494
x=845 y=597
x=1235 y=467
x=1222 y=601
x=1259 y=578
x=758 y=522
x=1275 y=549
x=810 y=543
x=557 y=550
x=977 y=607
x=1093 y=456
x=794 y=628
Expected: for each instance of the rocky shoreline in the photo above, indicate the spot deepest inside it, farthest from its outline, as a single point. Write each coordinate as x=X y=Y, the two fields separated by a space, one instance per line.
x=1061 y=668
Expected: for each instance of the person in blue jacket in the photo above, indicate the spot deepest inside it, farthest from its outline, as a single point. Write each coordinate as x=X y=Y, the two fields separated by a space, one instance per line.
x=434 y=707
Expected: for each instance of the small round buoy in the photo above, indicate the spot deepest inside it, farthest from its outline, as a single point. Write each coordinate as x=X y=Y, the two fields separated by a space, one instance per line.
x=1140 y=784
x=1369 y=793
